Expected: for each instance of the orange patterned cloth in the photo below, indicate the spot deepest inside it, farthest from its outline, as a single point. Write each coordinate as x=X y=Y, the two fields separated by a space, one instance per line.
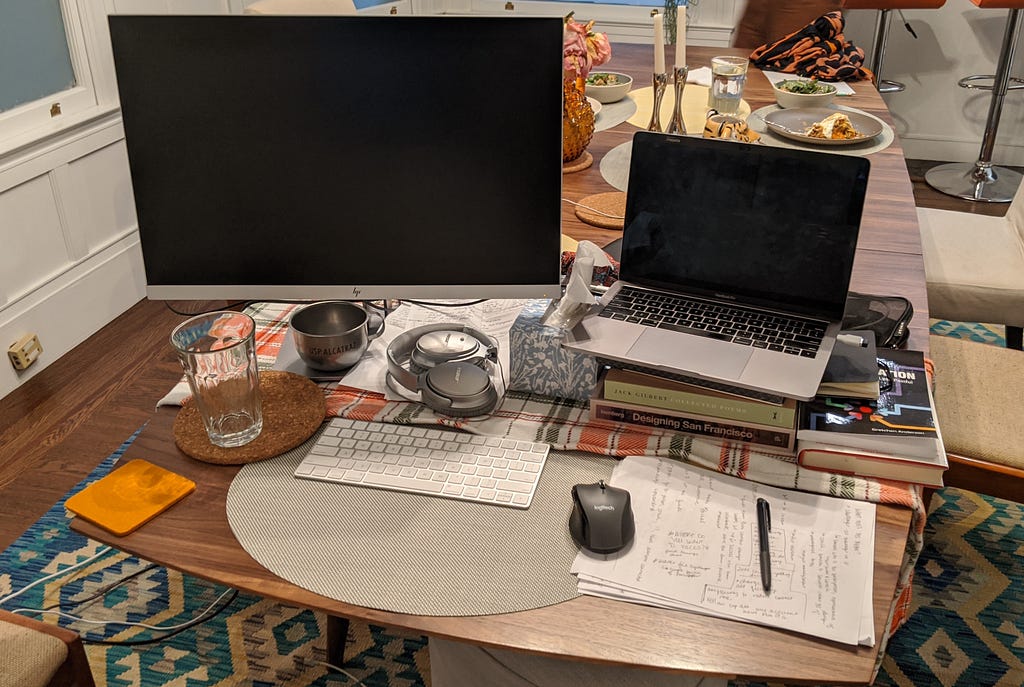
x=819 y=50
x=566 y=426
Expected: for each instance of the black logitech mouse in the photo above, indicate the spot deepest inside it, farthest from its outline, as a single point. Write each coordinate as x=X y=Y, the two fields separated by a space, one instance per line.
x=602 y=517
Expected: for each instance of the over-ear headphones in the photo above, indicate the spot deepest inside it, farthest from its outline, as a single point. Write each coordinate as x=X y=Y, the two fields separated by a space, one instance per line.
x=446 y=364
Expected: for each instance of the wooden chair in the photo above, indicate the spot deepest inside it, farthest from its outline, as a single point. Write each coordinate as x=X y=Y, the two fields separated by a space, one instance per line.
x=977 y=401
x=38 y=654
x=983 y=181
x=974 y=266
x=885 y=8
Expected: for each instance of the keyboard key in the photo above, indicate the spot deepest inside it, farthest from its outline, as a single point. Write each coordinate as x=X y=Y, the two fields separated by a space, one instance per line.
x=430 y=461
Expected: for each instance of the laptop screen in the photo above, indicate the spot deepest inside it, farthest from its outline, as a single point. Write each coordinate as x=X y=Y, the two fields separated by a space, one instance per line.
x=762 y=225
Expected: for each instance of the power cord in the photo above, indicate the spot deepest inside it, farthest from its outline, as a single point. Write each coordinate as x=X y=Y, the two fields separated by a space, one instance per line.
x=209 y=614
x=99 y=554
x=102 y=591
x=203 y=616
x=350 y=676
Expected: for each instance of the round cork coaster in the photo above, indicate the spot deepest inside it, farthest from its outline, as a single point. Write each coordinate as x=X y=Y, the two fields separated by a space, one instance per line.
x=579 y=164
x=293 y=408
x=605 y=210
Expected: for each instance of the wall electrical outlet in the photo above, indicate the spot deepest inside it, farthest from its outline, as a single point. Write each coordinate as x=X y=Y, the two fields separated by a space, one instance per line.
x=24 y=351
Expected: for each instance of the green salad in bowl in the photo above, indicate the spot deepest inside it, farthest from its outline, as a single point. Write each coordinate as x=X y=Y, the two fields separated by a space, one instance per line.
x=805 y=86
x=803 y=93
x=608 y=87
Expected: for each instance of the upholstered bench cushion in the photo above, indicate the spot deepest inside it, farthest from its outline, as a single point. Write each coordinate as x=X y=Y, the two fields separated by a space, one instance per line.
x=974 y=267
x=978 y=399
x=28 y=658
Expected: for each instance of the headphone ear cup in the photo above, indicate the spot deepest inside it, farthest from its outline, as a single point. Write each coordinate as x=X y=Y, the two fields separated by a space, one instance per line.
x=461 y=389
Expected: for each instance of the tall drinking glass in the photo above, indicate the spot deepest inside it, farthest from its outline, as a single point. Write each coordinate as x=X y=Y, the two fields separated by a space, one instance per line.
x=728 y=76
x=218 y=353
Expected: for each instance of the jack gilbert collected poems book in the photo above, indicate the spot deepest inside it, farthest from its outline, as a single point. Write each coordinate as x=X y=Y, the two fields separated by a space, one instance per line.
x=652 y=391
x=766 y=436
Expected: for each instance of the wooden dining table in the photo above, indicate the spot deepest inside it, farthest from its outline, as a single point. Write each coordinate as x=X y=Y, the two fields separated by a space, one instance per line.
x=888 y=259
x=194 y=536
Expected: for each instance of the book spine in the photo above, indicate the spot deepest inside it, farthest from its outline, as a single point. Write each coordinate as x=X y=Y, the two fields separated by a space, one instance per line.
x=778 y=439
x=700 y=404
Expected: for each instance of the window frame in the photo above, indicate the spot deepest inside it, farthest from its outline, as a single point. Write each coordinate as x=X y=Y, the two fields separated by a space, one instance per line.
x=86 y=31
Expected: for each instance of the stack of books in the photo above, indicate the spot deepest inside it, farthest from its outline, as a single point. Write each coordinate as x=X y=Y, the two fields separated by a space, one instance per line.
x=895 y=436
x=651 y=401
x=873 y=416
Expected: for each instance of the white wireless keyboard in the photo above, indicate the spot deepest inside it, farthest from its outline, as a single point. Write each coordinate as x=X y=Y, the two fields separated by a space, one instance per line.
x=421 y=460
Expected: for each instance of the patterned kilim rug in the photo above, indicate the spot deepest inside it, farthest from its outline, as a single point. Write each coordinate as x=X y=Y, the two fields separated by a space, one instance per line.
x=967 y=625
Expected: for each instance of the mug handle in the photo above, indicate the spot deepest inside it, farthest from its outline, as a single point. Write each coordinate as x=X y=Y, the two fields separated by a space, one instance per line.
x=374 y=324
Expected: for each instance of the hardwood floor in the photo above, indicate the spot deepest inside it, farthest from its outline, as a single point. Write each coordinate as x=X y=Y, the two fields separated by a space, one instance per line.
x=59 y=425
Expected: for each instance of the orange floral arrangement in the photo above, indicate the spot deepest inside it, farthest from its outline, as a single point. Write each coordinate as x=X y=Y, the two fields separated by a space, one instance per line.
x=582 y=50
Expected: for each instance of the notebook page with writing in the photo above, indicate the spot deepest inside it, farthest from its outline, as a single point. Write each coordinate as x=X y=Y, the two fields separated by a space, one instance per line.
x=696 y=549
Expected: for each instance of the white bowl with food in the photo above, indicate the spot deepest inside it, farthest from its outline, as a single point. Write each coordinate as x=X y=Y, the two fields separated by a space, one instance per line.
x=608 y=87
x=803 y=93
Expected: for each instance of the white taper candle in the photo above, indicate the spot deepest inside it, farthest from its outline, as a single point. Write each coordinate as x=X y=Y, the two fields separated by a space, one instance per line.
x=681 y=36
x=659 y=44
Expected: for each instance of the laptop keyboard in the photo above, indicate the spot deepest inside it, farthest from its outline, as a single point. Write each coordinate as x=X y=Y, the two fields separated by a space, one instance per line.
x=423 y=460
x=704 y=318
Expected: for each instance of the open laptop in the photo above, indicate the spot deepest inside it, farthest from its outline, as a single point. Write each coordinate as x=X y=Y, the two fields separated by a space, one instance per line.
x=756 y=241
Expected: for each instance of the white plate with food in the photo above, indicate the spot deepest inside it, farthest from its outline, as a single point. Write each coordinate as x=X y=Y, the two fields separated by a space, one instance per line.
x=823 y=125
x=594 y=105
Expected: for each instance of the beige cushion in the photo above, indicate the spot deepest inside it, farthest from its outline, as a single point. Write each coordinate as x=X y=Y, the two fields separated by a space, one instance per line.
x=974 y=266
x=978 y=390
x=309 y=7
x=28 y=658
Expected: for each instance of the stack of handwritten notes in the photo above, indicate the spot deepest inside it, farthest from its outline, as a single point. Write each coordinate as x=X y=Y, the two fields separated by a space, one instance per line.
x=696 y=549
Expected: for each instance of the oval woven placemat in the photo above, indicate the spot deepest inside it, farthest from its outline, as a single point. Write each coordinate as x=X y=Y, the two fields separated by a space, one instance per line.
x=605 y=210
x=293 y=408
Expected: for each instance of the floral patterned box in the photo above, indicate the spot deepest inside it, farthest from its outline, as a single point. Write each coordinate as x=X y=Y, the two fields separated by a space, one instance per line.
x=540 y=365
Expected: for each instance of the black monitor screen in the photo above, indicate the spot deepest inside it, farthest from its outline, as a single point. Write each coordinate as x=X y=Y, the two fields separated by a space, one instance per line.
x=343 y=157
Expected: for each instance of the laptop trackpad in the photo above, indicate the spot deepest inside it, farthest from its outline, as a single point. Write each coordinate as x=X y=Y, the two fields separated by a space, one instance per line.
x=693 y=353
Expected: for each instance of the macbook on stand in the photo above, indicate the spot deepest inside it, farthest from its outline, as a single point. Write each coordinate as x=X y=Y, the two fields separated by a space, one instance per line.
x=735 y=265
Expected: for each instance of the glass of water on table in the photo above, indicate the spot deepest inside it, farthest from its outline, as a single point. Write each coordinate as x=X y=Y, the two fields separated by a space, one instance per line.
x=728 y=76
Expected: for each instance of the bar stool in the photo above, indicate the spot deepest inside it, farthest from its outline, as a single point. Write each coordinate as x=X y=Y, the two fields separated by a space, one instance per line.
x=982 y=181
x=885 y=8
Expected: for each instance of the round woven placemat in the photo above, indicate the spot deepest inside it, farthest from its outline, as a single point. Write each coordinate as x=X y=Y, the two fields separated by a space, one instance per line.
x=613 y=203
x=409 y=553
x=293 y=408
x=880 y=142
x=695 y=107
x=579 y=164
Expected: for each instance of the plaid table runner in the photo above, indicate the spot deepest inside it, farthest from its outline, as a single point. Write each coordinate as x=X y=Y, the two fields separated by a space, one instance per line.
x=566 y=425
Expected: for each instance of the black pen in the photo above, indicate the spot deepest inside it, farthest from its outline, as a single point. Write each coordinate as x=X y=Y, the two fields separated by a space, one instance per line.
x=764 y=526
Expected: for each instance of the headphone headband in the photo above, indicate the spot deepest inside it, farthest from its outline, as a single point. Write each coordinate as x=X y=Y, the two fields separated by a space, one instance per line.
x=405 y=349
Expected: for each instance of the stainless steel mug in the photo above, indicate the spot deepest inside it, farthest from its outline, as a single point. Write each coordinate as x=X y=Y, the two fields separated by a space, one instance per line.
x=333 y=335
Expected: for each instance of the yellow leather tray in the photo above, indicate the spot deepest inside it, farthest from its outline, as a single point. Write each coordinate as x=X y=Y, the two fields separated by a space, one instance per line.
x=130 y=496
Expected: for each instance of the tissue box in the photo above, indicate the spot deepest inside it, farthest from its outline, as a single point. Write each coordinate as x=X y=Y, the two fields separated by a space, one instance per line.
x=539 y=363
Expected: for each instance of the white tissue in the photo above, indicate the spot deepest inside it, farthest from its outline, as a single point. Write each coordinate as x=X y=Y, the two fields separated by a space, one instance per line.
x=700 y=76
x=577 y=299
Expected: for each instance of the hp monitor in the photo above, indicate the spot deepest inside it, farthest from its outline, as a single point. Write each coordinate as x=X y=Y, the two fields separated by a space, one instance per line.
x=343 y=157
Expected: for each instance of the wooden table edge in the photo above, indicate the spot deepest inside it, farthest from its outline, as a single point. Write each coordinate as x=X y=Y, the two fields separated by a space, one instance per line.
x=574 y=630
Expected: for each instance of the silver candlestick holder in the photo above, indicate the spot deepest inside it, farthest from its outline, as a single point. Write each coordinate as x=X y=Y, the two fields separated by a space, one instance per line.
x=677 y=125
x=660 y=82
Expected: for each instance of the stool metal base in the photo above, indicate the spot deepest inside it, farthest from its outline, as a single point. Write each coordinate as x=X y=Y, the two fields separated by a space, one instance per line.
x=973 y=181
x=887 y=86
